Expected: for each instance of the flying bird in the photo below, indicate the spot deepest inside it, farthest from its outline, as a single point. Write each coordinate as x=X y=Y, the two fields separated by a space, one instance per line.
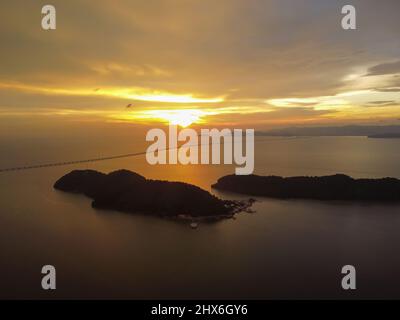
x=129 y=105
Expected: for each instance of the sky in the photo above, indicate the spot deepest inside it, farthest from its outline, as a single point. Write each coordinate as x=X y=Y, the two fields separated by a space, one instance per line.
x=243 y=63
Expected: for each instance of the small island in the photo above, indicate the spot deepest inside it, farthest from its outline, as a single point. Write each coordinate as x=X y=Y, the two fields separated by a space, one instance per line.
x=128 y=191
x=334 y=187
x=385 y=136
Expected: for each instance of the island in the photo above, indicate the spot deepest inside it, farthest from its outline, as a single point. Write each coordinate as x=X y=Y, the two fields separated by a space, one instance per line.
x=385 y=136
x=334 y=187
x=128 y=191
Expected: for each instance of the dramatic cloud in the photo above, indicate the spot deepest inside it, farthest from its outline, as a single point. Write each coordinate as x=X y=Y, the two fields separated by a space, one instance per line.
x=231 y=55
x=384 y=68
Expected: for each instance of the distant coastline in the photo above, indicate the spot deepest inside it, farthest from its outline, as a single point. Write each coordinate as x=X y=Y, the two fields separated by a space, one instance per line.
x=333 y=131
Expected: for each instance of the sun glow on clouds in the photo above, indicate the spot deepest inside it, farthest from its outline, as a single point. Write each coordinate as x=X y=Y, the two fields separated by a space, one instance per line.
x=139 y=94
x=357 y=104
x=183 y=118
x=316 y=102
x=338 y=101
x=186 y=109
x=156 y=96
x=186 y=116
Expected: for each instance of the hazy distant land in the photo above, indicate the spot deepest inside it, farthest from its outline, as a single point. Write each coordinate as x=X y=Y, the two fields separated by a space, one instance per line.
x=350 y=130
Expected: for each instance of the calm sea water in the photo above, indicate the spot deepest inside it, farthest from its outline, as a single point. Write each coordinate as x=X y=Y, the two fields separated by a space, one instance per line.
x=287 y=249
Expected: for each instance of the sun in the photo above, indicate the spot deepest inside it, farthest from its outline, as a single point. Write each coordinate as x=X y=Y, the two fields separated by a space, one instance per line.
x=182 y=118
x=179 y=117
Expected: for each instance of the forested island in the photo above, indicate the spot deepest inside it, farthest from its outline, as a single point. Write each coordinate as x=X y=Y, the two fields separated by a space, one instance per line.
x=385 y=136
x=128 y=191
x=334 y=187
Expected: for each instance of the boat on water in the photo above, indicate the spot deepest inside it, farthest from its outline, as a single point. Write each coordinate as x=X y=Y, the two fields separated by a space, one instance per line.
x=194 y=225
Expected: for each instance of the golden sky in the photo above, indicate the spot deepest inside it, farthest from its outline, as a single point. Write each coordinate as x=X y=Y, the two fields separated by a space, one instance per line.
x=228 y=62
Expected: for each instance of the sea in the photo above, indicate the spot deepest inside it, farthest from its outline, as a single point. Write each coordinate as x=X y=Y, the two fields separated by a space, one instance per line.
x=286 y=249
